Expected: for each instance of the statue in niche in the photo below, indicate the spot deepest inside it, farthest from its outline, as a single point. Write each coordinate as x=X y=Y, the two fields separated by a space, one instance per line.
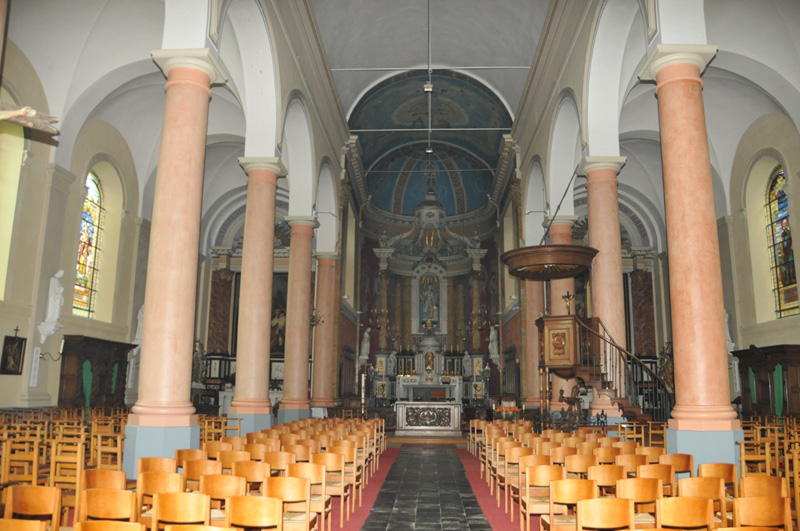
x=391 y=366
x=429 y=305
x=365 y=343
x=137 y=337
x=55 y=297
x=466 y=365
x=429 y=361
x=494 y=347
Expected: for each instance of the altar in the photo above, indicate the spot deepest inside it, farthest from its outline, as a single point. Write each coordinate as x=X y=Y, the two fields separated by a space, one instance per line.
x=420 y=419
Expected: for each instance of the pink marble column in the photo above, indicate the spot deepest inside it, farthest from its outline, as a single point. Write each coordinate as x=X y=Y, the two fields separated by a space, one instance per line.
x=255 y=299
x=324 y=379
x=702 y=395
x=169 y=307
x=298 y=315
x=561 y=234
x=608 y=297
x=534 y=307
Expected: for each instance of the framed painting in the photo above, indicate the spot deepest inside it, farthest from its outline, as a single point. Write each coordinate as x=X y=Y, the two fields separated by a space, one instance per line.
x=13 y=355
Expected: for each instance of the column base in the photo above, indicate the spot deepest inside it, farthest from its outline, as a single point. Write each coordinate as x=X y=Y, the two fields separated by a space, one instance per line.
x=251 y=423
x=289 y=415
x=35 y=400
x=156 y=441
x=706 y=446
x=323 y=402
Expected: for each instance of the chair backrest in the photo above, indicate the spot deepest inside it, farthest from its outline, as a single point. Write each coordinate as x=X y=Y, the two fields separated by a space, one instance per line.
x=750 y=486
x=641 y=491
x=312 y=444
x=565 y=493
x=682 y=463
x=97 y=478
x=254 y=511
x=606 y=476
x=630 y=461
x=15 y=524
x=189 y=454
x=588 y=447
x=706 y=487
x=181 y=508
x=294 y=492
x=763 y=511
x=608 y=440
x=253 y=472
x=34 y=501
x=546 y=447
x=559 y=454
x=150 y=483
x=237 y=443
x=214 y=447
x=256 y=449
x=197 y=527
x=727 y=471
x=221 y=486
x=606 y=454
x=108 y=504
x=301 y=452
x=652 y=452
x=626 y=447
x=156 y=464
x=605 y=513
x=579 y=464
x=279 y=460
x=663 y=472
x=533 y=460
x=197 y=468
x=107 y=525
x=685 y=512
x=228 y=457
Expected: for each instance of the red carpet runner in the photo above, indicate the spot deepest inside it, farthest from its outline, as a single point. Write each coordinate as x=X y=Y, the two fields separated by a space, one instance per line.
x=497 y=518
x=358 y=517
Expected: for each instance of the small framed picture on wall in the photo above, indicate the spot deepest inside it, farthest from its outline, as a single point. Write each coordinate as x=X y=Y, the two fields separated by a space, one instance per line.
x=13 y=355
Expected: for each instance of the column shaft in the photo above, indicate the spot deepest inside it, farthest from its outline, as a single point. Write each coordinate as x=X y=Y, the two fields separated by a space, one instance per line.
x=561 y=234
x=322 y=391
x=534 y=307
x=298 y=313
x=255 y=300
x=168 y=328
x=698 y=322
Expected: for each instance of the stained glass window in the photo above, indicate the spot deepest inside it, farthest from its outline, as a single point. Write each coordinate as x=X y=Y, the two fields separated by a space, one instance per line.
x=86 y=269
x=784 y=277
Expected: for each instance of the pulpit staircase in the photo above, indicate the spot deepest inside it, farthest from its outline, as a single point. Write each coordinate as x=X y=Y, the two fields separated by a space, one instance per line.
x=583 y=348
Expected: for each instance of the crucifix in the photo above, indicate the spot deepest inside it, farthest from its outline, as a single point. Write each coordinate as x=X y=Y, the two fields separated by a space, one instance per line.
x=568 y=298
x=16 y=331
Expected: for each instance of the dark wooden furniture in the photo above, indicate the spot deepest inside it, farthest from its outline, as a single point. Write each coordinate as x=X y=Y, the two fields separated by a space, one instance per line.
x=763 y=361
x=98 y=364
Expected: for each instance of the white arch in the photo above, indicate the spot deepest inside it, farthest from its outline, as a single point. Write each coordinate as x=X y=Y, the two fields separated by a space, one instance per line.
x=298 y=158
x=565 y=154
x=327 y=210
x=535 y=205
x=255 y=76
x=618 y=47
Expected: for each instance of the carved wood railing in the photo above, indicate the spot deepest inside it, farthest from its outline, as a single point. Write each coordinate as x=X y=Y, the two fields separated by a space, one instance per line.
x=604 y=359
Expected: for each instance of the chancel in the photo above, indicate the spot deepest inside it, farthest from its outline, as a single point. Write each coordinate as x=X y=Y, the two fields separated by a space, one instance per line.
x=417 y=215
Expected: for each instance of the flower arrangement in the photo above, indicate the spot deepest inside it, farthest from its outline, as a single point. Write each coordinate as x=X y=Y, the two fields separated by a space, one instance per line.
x=507 y=413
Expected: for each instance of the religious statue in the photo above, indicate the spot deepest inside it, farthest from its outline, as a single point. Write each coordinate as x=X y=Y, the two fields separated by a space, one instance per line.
x=494 y=347
x=391 y=366
x=429 y=361
x=137 y=338
x=466 y=365
x=198 y=363
x=429 y=302
x=278 y=332
x=365 y=343
x=55 y=300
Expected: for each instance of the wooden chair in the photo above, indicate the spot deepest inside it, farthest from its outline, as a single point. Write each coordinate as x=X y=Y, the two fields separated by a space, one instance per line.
x=656 y=433
x=498 y=460
x=606 y=477
x=663 y=472
x=302 y=453
x=336 y=482
x=189 y=454
x=475 y=429
x=684 y=513
x=559 y=454
x=630 y=462
x=256 y=449
x=107 y=504
x=509 y=472
x=97 y=478
x=156 y=464
x=180 y=508
x=34 y=501
x=196 y=468
x=564 y=496
x=706 y=487
x=605 y=513
x=588 y=447
x=606 y=454
x=578 y=465
x=253 y=472
x=608 y=441
x=729 y=474
x=67 y=459
x=750 y=486
x=296 y=496
x=197 y=527
x=214 y=447
x=626 y=447
x=148 y=484
x=353 y=472
x=320 y=501
x=643 y=492
x=254 y=511
x=21 y=463
x=763 y=511
x=16 y=524
x=681 y=463
x=279 y=461
x=236 y=442
x=652 y=452
x=228 y=457
x=524 y=462
x=108 y=525
x=534 y=494
x=218 y=487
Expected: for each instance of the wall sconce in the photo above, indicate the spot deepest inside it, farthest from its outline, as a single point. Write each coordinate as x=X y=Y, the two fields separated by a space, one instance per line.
x=60 y=353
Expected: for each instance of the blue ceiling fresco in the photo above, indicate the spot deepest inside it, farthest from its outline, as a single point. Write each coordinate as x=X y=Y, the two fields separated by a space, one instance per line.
x=463 y=162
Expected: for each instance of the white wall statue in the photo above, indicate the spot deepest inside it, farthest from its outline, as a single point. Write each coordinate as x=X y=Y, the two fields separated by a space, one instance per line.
x=55 y=300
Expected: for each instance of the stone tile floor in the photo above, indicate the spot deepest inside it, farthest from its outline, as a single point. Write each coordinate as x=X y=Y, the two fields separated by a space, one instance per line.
x=426 y=488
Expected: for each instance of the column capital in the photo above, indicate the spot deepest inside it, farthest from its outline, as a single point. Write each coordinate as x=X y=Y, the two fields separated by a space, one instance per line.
x=589 y=164
x=272 y=164
x=671 y=54
x=559 y=220
x=326 y=256
x=310 y=221
x=197 y=58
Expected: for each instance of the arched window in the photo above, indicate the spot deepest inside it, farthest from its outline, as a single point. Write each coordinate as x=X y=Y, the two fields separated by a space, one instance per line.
x=86 y=269
x=784 y=277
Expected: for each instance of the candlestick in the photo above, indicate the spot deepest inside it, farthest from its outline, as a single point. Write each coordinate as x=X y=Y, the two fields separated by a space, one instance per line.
x=61 y=350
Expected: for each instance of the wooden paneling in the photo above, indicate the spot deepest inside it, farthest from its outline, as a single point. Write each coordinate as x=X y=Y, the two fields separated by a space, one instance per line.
x=107 y=363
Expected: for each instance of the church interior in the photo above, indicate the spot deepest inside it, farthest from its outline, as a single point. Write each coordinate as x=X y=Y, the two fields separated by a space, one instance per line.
x=428 y=212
